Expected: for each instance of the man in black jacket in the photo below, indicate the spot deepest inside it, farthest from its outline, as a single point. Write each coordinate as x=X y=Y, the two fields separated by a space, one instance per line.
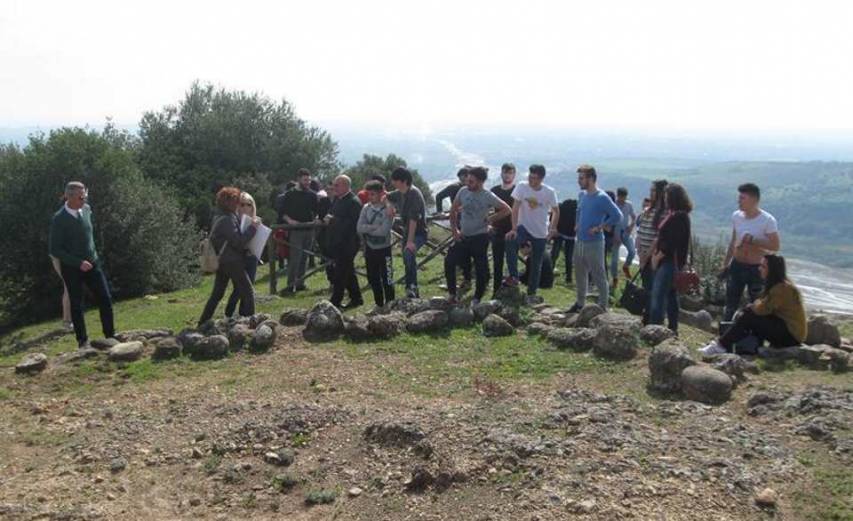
x=565 y=239
x=299 y=207
x=343 y=243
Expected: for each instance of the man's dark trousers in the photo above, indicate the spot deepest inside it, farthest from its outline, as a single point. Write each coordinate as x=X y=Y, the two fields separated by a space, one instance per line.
x=96 y=281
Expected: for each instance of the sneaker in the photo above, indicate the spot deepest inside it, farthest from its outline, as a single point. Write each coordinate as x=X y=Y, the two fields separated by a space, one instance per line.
x=576 y=308
x=713 y=348
x=510 y=282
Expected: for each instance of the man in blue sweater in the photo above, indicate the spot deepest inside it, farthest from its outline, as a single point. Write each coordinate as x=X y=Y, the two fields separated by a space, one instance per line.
x=596 y=212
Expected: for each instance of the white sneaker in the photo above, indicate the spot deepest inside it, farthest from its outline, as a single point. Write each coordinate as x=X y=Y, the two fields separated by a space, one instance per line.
x=713 y=348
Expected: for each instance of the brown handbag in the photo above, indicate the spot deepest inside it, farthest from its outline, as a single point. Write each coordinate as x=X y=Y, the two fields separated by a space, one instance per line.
x=686 y=280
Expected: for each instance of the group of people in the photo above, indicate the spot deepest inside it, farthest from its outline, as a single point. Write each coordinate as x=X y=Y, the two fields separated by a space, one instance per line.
x=508 y=218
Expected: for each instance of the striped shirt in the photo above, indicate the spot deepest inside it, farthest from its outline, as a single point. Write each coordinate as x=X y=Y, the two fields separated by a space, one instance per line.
x=647 y=232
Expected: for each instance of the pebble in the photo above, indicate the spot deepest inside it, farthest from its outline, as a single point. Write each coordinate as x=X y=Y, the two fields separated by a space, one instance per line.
x=354 y=492
x=766 y=498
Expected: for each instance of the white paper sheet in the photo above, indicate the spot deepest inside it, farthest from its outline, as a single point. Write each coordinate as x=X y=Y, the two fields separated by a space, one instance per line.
x=259 y=241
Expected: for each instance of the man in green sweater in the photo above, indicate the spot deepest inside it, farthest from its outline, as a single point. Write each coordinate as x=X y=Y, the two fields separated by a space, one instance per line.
x=73 y=243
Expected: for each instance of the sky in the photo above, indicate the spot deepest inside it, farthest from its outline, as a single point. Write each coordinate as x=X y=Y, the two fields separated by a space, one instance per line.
x=656 y=64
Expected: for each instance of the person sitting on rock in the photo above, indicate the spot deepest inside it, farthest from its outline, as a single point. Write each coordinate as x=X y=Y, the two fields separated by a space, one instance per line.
x=546 y=273
x=777 y=316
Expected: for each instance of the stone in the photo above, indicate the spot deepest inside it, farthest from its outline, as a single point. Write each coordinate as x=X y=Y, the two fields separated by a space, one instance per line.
x=211 y=348
x=190 y=340
x=213 y=327
x=103 y=344
x=510 y=314
x=779 y=353
x=616 y=342
x=822 y=357
x=409 y=306
x=421 y=479
x=386 y=326
x=534 y=300
x=125 y=352
x=76 y=356
x=691 y=302
x=493 y=325
x=734 y=366
x=666 y=363
x=699 y=319
x=821 y=330
x=257 y=319
x=357 y=327
x=264 y=337
x=618 y=319
x=324 y=320
x=539 y=329
x=461 y=317
x=576 y=339
x=293 y=317
x=400 y=434
x=586 y=314
x=32 y=363
x=166 y=348
x=705 y=384
x=238 y=336
x=354 y=492
x=654 y=334
x=118 y=464
x=511 y=296
x=281 y=457
x=427 y=321
x=440 y=304
x=485 y=308
x=766 y=498
x=147 y=334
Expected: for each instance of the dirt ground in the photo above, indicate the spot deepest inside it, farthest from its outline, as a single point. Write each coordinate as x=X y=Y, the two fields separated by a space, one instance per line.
x=265 y=436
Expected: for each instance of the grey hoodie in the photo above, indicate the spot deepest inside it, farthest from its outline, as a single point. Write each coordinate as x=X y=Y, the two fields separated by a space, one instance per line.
x=375 y=225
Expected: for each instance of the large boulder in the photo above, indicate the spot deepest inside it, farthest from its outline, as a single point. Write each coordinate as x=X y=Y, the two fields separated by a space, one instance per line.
x=666 y=363
x=616 y=342
x=485 y=308
x=654 y=334
x=461 y=317
x=324 y=320
x=125 y=351
x=32 y=363
x=264 y=336
x=386 y=326
x=707 y=385
x=821 y=330
x=166 y=348
x=576 y=339
x=586 y=314
x=189 y=340
x=211 y=348
x=511 y=296
x=823 y=357
x=427 y=321
x=699 y=319
x=238 y=336
x=293 y=317
x=494 y=325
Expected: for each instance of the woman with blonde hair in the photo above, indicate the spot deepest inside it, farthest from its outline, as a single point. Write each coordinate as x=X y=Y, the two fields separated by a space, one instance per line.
x=247 y=207
x=230 y=244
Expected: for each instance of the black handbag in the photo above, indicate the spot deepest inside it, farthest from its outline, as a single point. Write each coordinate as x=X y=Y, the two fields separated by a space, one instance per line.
x=635 y=298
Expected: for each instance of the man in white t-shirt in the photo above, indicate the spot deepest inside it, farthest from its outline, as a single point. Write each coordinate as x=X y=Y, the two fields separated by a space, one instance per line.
x=533 y=203
x=754 y=235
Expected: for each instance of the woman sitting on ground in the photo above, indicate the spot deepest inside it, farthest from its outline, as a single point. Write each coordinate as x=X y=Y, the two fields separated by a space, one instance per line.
x=777 y=316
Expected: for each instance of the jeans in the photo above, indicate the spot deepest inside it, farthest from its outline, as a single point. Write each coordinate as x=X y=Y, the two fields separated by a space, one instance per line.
x=300 y=240
x=766 y=327
x=410 y=262
x=474 y=247
x=537 y=247
x=624 y=240
x=628 y=241
x=664 y=297
x=589 y=260
x=251 y=271
x=234 y=272
x=567 y=243
x=741 y=276
x=344 y=278
x=96 y=281
x=498 y=257
x=647 y=277
x=380 y=274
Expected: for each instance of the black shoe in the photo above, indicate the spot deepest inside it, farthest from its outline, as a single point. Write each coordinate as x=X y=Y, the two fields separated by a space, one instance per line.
x=574 y=309
x=301 y=287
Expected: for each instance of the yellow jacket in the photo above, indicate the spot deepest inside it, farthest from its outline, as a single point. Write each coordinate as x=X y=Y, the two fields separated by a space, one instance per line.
x=784 y=301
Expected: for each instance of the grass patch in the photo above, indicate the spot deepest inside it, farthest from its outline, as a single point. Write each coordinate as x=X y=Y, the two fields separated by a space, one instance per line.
x=5 y=393
x=321 y=497
x=831 y=499
x=211 y=464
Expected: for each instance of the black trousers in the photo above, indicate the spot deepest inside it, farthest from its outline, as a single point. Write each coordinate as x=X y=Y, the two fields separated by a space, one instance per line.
x=498 y=257
x=562 y=243
x=380 y=274
x=233 y=272
x=344 y=278
x=96 y=281
x=475 y=247
x=769 y=328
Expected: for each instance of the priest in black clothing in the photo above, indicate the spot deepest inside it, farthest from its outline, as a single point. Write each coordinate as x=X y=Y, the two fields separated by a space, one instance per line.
x=343 y=242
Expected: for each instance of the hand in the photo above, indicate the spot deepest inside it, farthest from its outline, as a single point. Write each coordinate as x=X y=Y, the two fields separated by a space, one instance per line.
x=86 y=266
x=510 y=235
x=411 y=246
x=256 y=222
x=594 y=230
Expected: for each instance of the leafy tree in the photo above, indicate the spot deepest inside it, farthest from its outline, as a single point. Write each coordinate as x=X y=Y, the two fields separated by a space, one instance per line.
x=370 y=165
x=140 y=231
x=214 y=136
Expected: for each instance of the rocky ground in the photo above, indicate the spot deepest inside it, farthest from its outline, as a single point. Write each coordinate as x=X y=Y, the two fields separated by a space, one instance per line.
x=334 y=430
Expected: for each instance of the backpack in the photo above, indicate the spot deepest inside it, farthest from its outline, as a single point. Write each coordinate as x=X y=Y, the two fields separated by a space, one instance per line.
x=208 y=258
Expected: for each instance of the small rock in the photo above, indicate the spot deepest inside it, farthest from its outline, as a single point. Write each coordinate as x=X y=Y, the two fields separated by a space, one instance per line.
x=427 y=321
x=32 y=363
x=166 y=348
x=324 y=321
x=238 y=336
x=766 y=498
x=539 y=329
x=125 y=352
x=211 y=348
x=485 y=308
x=734 y=366
x=701 y=319
x=666 y=363
x=293 y=317
x=494 y=326
x=102 y=344
x=615 y=342
x=576 y=339
x=820 y=330
x=461 y=317
x=264 y=337
x=354 y=492
x=654 y=334
x=386 y=326
x=117 y=465
x=706 y=385
x=587 y=313
x=357 y=327
x=281 y=457
x=440 y=304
